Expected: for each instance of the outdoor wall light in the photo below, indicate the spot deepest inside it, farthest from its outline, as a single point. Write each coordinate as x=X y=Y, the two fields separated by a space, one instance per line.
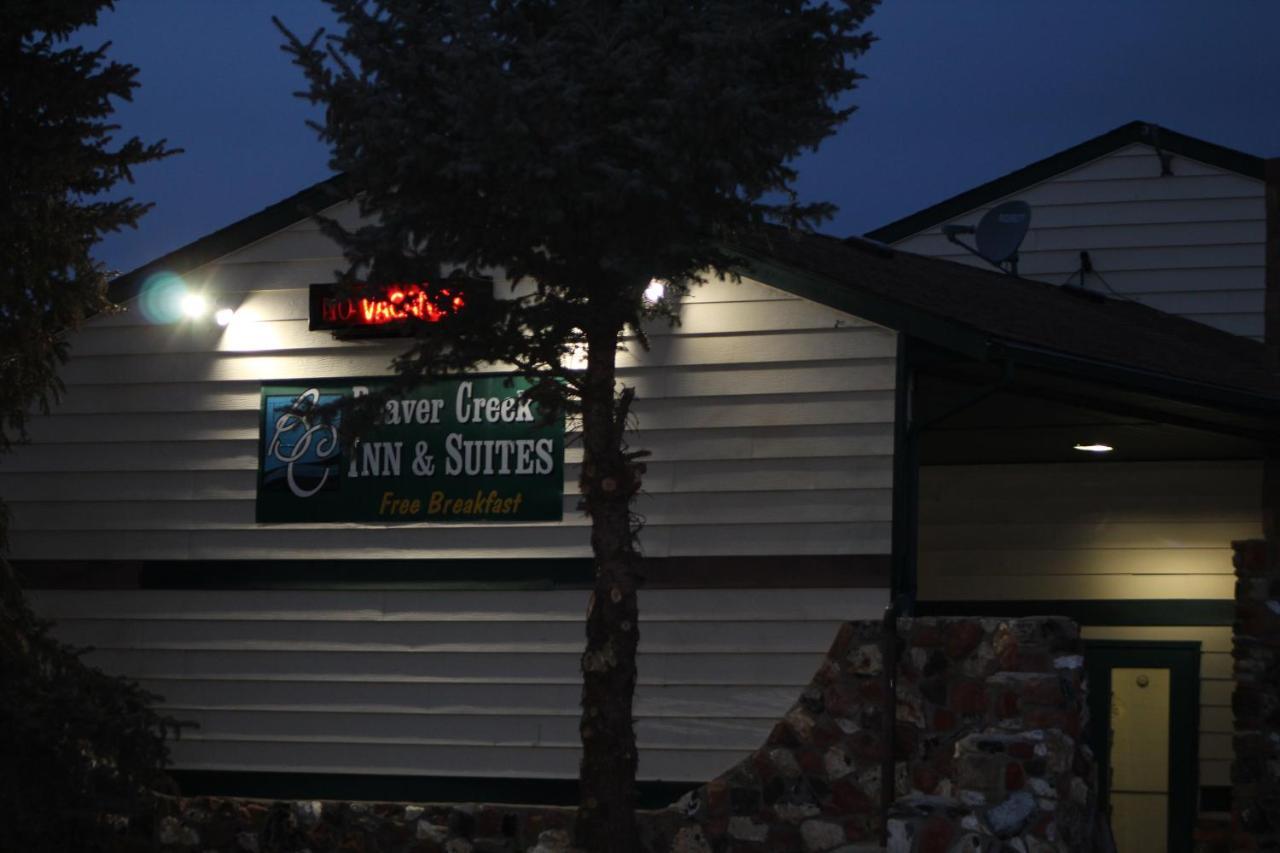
x=165 y=297
x=1095 y=448
x=194 y=306
x=654 y=292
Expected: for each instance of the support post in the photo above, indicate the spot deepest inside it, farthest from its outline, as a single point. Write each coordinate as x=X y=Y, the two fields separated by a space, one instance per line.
x=889 y=716
x=906 y=486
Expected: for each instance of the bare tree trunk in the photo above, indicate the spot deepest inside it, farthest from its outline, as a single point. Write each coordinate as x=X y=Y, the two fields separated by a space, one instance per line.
x=1271 y=453
x=606 y=813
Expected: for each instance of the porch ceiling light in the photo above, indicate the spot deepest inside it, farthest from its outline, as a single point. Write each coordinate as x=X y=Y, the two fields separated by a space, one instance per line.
x=1095 y=448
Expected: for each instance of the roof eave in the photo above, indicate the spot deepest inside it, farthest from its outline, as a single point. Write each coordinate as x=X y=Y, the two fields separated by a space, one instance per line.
x=901 y=318
x=980 y=345
x=1218 y=397
x=235 y=236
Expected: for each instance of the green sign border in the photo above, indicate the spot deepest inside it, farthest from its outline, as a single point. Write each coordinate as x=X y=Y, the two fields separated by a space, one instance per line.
x=411 y=487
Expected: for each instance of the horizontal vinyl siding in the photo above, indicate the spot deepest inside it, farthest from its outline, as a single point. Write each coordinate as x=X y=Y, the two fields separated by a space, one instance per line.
x=770 y=422
x=1190 y=243
x=452 y=682
x=780 y=407
x=1105 y=530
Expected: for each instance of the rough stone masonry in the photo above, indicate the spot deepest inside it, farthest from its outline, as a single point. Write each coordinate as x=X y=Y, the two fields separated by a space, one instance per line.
x=1255 y=772
x=987 y=753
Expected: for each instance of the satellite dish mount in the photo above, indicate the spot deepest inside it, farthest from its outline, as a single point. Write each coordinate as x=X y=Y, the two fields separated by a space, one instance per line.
x=998 y=235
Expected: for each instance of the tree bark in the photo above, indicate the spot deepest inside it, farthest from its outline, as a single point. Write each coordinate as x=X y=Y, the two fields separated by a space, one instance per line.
x=1271 y=329
x=606 y=813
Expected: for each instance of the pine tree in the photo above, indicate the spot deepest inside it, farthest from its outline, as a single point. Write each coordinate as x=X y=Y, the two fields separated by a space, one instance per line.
x=74 y=743
x=589 y=147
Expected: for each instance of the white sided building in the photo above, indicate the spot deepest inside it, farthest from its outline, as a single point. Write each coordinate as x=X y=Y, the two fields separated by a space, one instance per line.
x=810 y=425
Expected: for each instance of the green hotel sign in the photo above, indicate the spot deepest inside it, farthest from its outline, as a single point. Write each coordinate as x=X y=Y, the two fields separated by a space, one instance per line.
x=464 y=450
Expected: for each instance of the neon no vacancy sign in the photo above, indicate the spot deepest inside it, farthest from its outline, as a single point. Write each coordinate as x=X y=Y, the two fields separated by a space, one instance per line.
x=390 y=308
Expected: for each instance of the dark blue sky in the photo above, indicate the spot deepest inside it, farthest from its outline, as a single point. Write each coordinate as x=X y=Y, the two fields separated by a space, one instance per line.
x=957 y=93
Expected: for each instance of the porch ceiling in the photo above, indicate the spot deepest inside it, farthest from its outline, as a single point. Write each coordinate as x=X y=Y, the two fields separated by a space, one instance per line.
x=973 y=413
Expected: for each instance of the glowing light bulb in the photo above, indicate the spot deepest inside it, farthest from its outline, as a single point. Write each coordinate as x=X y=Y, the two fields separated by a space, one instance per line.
x=194 y=305
x=654 y=292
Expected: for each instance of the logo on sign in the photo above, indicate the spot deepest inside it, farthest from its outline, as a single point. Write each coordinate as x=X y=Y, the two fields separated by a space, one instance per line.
x=302 y=451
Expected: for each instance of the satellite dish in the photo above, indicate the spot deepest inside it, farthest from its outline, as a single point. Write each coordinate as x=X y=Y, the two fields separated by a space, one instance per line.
x=1002 y=230
x=999 y=234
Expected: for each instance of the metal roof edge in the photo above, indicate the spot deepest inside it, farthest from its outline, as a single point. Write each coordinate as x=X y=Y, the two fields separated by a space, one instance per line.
x=1077 y=155
x=238 y=234
x=892 y=314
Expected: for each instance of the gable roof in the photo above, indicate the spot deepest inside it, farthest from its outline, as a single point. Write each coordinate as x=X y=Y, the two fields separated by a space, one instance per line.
x=237 y=235
x=957 y=306
x=1158 y=137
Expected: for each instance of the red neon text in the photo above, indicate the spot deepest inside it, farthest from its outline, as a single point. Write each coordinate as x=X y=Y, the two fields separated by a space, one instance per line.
x=401 y=302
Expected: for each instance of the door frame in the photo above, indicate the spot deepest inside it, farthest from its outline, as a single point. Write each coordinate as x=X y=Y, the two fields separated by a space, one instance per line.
x=1182 y=659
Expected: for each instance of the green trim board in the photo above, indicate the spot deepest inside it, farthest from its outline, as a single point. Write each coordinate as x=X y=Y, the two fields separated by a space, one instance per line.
x=407 y=574
x=1182 y=659
x=1115 y=612
x=652 y=794
x=1158 y=137
x=796 y=571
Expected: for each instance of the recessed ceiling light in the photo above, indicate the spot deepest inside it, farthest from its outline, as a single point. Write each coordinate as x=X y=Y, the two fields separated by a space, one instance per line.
x=1095 y=448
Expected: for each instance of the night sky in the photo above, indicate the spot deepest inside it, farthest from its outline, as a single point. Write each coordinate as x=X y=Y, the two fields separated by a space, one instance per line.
x=957 y=93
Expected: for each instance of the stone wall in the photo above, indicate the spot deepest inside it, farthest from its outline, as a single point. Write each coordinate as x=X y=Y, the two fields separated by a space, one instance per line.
x=246 y=826
x=989 y=715
x=986 y=742
x=1255 y=772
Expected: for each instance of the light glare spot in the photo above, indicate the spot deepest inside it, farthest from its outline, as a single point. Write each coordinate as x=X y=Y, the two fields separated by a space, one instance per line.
x=248 y=333
x=160 y=298
x=224 y=316
x=1095 y=448
x=194 y=305
x=654 y=292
